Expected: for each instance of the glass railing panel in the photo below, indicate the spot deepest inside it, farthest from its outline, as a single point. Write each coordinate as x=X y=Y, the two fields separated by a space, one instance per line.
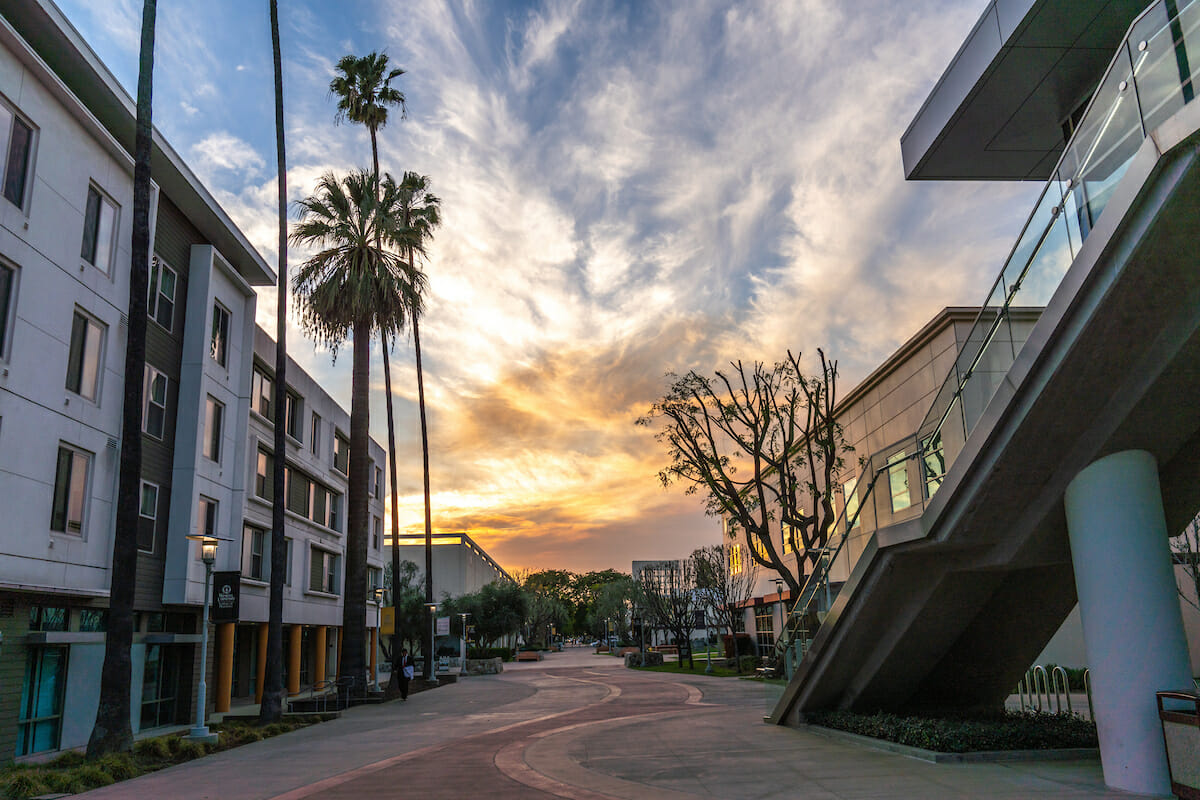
x=1188 y=46
x=1160 y=63
x=992 y=347
x=1107 y=139
x=1045 y=272
x=1033 y=238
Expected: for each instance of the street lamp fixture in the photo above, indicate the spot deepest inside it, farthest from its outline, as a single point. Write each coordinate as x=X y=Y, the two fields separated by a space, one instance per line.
x=208 y=554
x=431 y=668
x=462 y=660
x=377 y=595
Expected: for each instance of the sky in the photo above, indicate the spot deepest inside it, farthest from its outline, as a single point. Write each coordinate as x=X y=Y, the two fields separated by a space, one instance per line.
x=627 y=190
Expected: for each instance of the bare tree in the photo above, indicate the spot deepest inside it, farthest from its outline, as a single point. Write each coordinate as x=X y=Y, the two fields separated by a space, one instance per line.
x=765 y=447
x=670 y=599
x=1186 y=551
x=723 y=591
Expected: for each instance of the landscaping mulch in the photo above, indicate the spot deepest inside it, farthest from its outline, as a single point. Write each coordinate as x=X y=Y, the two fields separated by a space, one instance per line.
x=1009 y=730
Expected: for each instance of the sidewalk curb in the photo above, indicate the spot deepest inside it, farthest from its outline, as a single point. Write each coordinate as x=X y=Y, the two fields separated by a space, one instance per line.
x=976 y=757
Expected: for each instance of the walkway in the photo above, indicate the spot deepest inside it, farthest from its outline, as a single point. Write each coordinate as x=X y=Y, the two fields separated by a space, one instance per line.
x=581 y=726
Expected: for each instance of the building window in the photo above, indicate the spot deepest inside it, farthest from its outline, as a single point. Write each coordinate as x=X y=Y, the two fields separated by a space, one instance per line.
x=850 y=493
x=206 y=520
x=147 y=517
x=218 y=343
x=16 y=136
x=898 y=481
x=51 y=619
x=374 y=579
x=790 y=538
x=160 y=303
x=764 y=627
x=332 y=521
x=376 y=532
x=258 y=553
x=99 y=230
x=291 y=414
x=70 y=490
x=735 y=559
x=40 y=723
x=93 y=620
x=378 y=482
x=8 y=285
x=298 y=487
x=287 y=560
x=214 y=418
x=262 y=391
x=160 y=682
x=314 y=433
x=264 y=476
x=154 y=410
x=341 y=453
x=323 y=577
x=83 y=359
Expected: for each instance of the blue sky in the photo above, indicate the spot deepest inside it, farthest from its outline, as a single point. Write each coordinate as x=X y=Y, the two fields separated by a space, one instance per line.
x=627 y=189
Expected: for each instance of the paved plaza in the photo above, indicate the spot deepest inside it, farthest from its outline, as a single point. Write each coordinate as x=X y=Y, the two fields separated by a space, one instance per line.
x=582 y=726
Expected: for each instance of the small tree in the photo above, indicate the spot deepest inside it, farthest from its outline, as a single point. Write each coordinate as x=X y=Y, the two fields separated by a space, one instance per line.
x=1186 y=550
x=765 y=447
x=722 y=591
x=497 y=610
x=614 y=600
x=670 y=598
x=408 y=598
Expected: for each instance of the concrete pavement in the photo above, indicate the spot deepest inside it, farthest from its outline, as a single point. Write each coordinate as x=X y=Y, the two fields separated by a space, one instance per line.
x=582 y=726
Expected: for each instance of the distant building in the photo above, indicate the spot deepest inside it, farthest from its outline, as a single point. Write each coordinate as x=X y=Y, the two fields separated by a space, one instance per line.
x=460 y=565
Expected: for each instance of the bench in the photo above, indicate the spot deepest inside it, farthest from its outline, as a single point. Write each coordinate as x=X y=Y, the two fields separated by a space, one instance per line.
x=529 y=655
x=666 y=649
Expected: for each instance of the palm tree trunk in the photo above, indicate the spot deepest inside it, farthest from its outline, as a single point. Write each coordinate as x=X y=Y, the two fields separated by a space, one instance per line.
x=354 y=606
x=394 y=682
x=112 y=731
x=271 y=709
x=428 y=516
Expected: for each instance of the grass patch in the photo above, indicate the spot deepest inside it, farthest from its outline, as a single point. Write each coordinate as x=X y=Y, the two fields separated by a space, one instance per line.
x=675 y=668
x=1010 y=730
x=72 y=773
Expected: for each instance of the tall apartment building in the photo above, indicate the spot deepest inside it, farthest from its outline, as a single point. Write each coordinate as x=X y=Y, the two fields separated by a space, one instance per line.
x=316 y=484
x=66 y=133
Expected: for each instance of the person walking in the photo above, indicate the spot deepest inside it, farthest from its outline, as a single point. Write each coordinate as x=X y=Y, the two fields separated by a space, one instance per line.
x=406 y=673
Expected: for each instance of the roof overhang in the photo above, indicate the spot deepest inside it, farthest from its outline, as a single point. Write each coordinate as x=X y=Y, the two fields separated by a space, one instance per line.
x=44 y=27
x=997 y=113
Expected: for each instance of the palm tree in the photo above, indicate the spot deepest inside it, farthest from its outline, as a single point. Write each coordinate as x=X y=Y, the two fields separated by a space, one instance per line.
x=271 y=709
x=419 y=213
x=112 y=731
x=352 y=288
x=363 y=88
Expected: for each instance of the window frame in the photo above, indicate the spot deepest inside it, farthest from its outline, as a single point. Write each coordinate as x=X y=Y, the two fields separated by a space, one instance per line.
x=314 y=434
x=90 y=249
x=8 y=304
x=6 y=152
x=152 y=374
x=88 y=458
x=338 y=438
x=142 y=516
x=203 y=518
x=154 y=293
x=293 y=412
x=260 y=379
x=214 y=429
x=263 y=555
x=34 y=664
x=91 y=323
x=218 y=340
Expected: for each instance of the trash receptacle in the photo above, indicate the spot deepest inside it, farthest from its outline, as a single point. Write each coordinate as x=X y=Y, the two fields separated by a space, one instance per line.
x=1181 y=734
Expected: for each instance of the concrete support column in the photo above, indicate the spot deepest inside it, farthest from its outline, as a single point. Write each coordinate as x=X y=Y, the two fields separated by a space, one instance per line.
x=260 y=675
x=339 y=653
x=320 y=654
x=1132 y=624
x=225 y=633
x=374 y=650
x=293 y=675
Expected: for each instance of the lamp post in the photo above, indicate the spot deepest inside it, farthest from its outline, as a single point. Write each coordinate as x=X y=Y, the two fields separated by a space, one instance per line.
x=208 y=554
x=431 y=667
x=708 y=668
x=462 y=645
x=377 y=595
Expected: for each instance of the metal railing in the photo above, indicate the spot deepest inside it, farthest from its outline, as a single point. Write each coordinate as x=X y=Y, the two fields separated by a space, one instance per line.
x=1148 y=80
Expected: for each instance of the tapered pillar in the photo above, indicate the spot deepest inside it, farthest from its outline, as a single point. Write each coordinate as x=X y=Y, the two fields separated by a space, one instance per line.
x=1132 y=624
x=320 y=654
x=260 y=669
x=293 y=676
x=374 y=650
x=224 y=665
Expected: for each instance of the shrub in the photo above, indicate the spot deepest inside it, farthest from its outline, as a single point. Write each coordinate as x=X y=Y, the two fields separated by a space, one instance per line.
x=24 y=784
x=66 y=781
x=156 y=749
x=185 y=749
x=119 y=765
x=274 y=729
x=505 y=653
x=92 y=776
x=72 y=758
x=956 y=734
x=748 y=663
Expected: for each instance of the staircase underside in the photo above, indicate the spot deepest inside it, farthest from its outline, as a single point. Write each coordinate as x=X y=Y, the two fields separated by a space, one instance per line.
x=949 y=610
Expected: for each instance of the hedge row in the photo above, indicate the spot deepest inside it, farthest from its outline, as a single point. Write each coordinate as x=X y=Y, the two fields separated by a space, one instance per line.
x=1012 y=730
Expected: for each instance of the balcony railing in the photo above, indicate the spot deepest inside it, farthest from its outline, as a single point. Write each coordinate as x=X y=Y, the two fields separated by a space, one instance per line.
x=1149 y=79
